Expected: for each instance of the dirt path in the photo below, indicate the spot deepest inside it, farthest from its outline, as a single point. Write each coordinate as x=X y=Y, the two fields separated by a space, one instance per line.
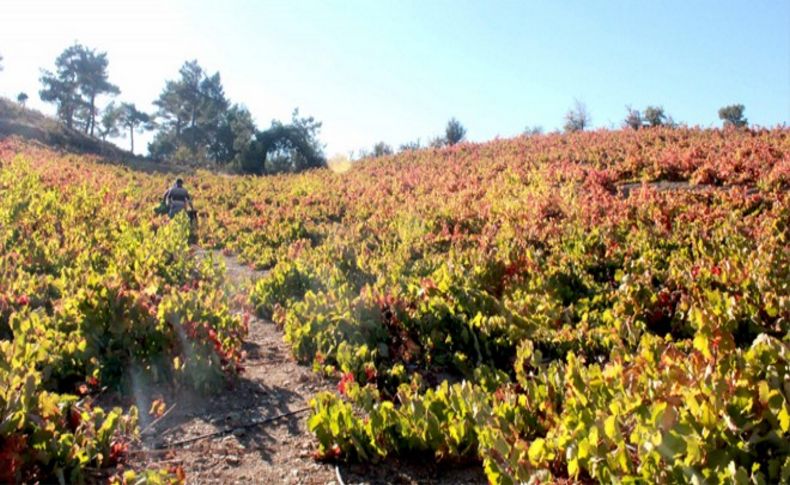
x=280 y=450
x=273 y=384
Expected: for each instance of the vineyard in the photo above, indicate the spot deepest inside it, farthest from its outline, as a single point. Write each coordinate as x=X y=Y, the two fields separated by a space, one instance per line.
x=593 y=307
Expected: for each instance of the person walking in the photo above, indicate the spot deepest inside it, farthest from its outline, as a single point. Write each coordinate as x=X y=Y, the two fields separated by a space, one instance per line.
x=177 y=198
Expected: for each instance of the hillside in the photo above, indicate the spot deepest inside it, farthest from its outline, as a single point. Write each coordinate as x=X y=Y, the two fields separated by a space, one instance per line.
x=596 y=307
x=32 y=125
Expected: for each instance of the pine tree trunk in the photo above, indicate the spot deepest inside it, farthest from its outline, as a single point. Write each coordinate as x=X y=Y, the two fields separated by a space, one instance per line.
x=131 y=136
x=92 y=116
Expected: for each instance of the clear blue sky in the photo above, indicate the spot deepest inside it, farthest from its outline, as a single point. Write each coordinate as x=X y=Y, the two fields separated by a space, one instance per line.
x=398 y=70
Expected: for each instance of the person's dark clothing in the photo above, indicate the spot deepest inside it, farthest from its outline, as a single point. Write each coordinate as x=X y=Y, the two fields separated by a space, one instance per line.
x=176 y=199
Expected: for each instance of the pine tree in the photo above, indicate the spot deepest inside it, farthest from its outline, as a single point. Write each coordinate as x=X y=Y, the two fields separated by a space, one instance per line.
x=108 y=126
x=732 y=115
x=655 y=116
x=62 y=86
x=134 y=120
x=80 y=77
x=381 y=149
x=190 y=115
x=454 y=132
x=93 y=82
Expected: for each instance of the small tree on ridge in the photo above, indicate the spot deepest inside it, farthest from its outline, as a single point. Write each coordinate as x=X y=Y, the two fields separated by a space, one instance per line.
x=655 y=116
x=381 y=149
x=633 y=119
x=577 y=118
x=732 y=115
x=134 y=120
x=455 y=132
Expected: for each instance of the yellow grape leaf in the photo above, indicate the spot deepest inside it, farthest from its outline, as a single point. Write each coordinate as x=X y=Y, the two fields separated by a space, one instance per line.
x=622 y=459
x=763 y=391
x=707 y=416
x=592 y=436
x=701 y=344
x=584 y=448
x=573 y=467
x=610 y=427
x=536 y=450
x=784 y=419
